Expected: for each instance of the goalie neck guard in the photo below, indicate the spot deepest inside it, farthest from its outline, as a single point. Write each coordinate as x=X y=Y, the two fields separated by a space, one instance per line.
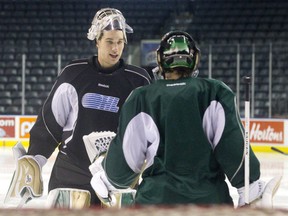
x=108 y=19
x=178 y=50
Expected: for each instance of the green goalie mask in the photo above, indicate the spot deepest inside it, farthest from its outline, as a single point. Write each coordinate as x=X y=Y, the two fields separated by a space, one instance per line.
x=178 y=50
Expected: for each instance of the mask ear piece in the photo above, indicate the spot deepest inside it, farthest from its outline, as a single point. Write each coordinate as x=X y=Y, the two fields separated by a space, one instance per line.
x=159 y=51
x=197 y=59
x=159 y=59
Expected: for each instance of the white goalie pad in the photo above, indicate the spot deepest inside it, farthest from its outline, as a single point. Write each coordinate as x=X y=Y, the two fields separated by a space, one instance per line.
x=119 y=198
x=261 y=193
x=97 y=143
x=68 y=198
x=27 y=179
x=270 y=190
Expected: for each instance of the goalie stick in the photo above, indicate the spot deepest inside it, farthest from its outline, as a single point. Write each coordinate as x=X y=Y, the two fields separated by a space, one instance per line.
x=247 y=81
x=278 y=150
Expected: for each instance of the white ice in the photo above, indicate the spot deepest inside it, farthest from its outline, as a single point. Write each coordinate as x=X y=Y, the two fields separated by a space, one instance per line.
x=272 y=164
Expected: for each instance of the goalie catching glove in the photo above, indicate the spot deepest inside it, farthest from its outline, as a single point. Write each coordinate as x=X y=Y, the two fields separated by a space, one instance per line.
x=27 y=179
x=96 y=143
x=260 y=195
x=106 y=192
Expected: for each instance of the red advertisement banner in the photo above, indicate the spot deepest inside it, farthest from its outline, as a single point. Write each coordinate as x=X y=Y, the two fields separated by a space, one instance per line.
x=262 y=131
x=7 y=127
x=267 y=132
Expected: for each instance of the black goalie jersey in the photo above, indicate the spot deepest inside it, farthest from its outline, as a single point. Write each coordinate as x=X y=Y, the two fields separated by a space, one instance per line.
x=82 y=100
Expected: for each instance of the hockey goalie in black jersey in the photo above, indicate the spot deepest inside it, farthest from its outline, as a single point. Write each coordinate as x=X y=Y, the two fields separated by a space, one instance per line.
x=184 y=135
x=86 y=97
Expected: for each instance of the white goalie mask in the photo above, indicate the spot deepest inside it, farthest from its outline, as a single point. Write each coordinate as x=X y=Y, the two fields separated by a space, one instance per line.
x=108 y=19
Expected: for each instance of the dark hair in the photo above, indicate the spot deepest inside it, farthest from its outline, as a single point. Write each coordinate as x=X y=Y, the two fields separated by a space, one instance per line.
x=100 y=36
x=183 y=72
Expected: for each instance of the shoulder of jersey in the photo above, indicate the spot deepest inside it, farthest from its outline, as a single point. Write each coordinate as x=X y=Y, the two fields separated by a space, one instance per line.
x=217 y=83
x=78 y=62
x=137 y=70
x=75 y=64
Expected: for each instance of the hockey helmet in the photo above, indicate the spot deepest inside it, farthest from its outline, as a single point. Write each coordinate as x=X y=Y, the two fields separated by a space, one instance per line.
x=108 y=19
x=178 y=50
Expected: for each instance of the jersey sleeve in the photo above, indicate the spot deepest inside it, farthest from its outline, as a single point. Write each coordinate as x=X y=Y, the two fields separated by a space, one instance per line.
x=46 y=133
x=230 y=149
x=129 y=151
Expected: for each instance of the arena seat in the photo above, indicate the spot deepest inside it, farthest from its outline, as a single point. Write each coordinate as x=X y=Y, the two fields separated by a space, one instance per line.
x=44 y=29
x=13 y=110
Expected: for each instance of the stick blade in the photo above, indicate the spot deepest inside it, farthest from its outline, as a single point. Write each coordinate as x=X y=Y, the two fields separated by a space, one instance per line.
x=278 y=150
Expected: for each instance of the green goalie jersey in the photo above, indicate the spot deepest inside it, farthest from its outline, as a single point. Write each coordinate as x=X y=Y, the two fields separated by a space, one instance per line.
x=185 y=137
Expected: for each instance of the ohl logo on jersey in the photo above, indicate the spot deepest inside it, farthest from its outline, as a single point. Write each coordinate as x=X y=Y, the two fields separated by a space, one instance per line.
x=100 y=102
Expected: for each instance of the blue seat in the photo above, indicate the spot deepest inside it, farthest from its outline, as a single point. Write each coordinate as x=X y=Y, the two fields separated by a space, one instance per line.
x=31 y=94
x=5 y=101
x=29 y=110
x=10 y=110
x=5 y=94
x=15 y=79
x=12 y=87
x=31 y=79
x=10 y=71
x=35 y=102
x=36 y=72
x=38 y=87
x=45 y=79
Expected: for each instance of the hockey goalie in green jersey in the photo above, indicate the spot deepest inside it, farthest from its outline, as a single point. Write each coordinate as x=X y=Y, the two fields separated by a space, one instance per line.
x=183 y=135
